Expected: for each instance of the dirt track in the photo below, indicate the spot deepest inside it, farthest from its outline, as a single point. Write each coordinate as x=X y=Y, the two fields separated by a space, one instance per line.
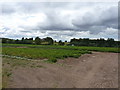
x=97 y=70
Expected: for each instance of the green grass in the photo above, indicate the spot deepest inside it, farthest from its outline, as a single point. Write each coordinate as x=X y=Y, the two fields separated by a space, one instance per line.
x=50 y=52
x=101 y=49
x=38 y=53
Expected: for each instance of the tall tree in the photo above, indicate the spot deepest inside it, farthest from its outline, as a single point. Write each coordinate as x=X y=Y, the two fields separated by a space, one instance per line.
x=49 y=40
x=37 y=41
x=61 y=43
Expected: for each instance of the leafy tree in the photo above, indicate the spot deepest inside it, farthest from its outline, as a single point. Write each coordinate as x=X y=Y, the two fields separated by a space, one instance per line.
x=110 y=42
x=95 y=42
x=49 y=40
x=65 y=40
x=22 y=38
x=61 y=43
x=37 y=41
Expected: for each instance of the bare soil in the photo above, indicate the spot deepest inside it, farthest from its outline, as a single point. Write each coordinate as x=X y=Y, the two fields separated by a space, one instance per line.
x=97 y=70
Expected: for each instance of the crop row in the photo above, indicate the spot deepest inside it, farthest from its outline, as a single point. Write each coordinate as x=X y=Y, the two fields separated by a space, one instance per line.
x=101 y=49
x=39 y=53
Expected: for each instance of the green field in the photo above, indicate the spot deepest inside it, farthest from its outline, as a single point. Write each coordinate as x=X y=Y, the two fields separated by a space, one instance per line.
x=50 y=53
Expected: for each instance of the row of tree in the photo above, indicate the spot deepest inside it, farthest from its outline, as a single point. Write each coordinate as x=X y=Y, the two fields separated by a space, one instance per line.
x=110 y=42
x=37 y=41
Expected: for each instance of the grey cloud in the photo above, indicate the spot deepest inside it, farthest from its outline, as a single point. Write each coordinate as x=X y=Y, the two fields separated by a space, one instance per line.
x=110 y=17
x=104 y=19
x=7 y=9
x=36 y=7
x=26 y=31
x=55 y=21
x=63 y=33
x=95 y=22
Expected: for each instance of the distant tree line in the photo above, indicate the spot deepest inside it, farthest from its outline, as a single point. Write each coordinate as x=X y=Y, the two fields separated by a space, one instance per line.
x=37 y=41
x=110 y=42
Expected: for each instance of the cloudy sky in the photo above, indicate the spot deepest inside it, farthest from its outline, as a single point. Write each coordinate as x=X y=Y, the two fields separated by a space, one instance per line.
x=59 y=20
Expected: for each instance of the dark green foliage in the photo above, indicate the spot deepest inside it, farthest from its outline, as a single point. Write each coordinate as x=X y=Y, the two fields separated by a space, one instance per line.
x=73 y=42
x=95 y=42
x=42 y=53
x=49 y=40
x=65 y=40
x=7 y=40
x=61 y=43
x=37 y=41
x=52 y=60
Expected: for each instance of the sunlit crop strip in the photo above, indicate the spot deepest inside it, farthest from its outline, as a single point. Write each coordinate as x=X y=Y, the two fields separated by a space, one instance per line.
x=39 y=53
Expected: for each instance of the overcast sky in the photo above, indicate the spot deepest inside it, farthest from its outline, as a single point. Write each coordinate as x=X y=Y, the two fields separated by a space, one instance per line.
x=59 y=20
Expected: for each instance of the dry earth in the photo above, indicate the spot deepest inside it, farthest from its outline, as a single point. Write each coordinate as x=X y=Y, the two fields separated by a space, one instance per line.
x=97 y=70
